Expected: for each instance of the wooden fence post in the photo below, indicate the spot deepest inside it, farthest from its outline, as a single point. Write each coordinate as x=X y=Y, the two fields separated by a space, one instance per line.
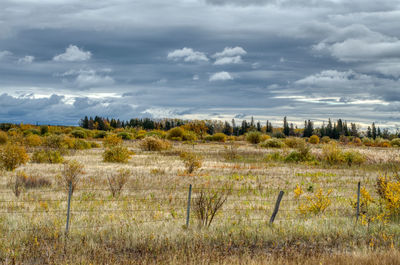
x=276 y=209
x=188 y=206
x=358 y=201
x=69 y=207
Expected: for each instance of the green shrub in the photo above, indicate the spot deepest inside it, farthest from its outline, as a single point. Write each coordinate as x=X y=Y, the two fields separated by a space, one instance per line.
x=254 y=137
x=100 y=134
x=219 y=137
x=314 y=139
x=395 y=142
x=367 y=141
x=154 y=144
x=12 y=156
x=272 y=143
x=175 y=133
x=58 y=142
x=353 y=158
x=3 y=137
x=125 y=136
x=79 y=134
x=47 y=156
x=80 y=144
x=116 y=154
x=274 y=156
x=44 y=129
x=301 y=154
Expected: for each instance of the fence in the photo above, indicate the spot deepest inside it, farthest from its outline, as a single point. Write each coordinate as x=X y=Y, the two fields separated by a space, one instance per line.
x=95 y=208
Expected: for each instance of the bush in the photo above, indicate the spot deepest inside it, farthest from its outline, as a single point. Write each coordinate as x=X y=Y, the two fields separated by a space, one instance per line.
x=316 y=203
x=112 y=140
x=80 y=144
x=12 y=156
x=207 y=204
x=158 y=133
x=191 y=160
x=219 y=137
x=189 y=136
x=301 y=154
x=58 y=142
x=94 y=145
x=117 y=181
x=175 y=133
x=274 y=156
x=44 y=129
x=272 y=143
x=278 y=135
x=23 y=181
x=33 y=140
x=325 y=139
x=357 y=141
x=293 y=142
x=367 y=141
x=125 y=136
x=100 y=134
x=231 y=152
x=47 y=156
x=154 y=144
x=116 y=154
x=353 y=157
x=395 y=142
x=3 y=137
x=332 y=154
x=71 y=174
x=254 y=137
x=79 y=134
x=314 y=139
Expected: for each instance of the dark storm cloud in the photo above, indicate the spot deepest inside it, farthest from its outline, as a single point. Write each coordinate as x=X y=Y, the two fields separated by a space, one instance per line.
x=63 y=59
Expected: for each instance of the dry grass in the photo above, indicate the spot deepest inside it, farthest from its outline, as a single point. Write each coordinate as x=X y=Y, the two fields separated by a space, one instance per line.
x=145 y=224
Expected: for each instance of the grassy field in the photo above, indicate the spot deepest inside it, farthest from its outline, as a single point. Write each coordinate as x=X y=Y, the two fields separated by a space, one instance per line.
x=316 y=222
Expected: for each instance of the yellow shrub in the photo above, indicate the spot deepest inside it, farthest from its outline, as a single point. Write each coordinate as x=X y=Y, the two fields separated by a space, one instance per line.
x=316 y=203
x=191 y=160
x=314 y=139
x=3 y=137
x=154 y=144
x=332 y=154
x=388 y=188
x=298 y=191
x=12 y=156
x=33 y=140
x=112 y=140
x=116 y=154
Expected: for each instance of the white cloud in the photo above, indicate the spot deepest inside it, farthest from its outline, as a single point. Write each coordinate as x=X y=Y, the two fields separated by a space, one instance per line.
x=26 y=60
x=196 y=77
x=230 y=52
x=4 y=54
x=73 y=54
x=220 y=76
x=187 y=55
x=92 y=79
x=230 y=55
x=228 y=60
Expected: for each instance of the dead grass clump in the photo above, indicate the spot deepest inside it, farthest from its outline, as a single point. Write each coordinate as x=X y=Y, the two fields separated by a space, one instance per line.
x=3 y=137
x=21 y=181
x=154 y=144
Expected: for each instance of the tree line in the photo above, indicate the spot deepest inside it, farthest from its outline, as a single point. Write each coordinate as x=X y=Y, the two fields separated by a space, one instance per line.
x=332 y=129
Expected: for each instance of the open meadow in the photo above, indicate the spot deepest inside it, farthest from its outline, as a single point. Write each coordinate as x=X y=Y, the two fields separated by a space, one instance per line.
x=135 y=212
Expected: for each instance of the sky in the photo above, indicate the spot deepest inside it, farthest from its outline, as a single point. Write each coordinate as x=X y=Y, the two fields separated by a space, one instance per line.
x=200 y=59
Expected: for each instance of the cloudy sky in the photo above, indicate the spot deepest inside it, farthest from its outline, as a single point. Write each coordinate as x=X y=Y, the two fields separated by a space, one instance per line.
x=63 y=59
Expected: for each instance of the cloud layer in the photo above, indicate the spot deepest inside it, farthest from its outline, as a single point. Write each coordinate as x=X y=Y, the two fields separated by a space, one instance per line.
x=200 y=59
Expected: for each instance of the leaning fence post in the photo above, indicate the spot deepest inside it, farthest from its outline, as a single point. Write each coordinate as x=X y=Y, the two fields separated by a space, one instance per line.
x=188 y=206
x=358 y=201
x=276 y=209
x=69 y=207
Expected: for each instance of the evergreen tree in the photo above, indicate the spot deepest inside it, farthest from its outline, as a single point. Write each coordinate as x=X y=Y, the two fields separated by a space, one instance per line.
x=373 y=131
x=286 y=129
x=369 y=132
x=85 y=123
x=258 y=126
